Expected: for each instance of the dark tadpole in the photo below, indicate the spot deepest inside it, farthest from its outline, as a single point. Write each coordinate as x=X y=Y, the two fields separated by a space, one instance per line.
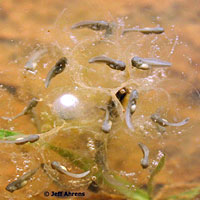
x=21 y=141
x=121 y=94
x=130 y=109
x=111 y=114
x=27 y=110
x=21 y=181
x=148 y=63
x=107 y=123
x=55 y=70
x=113 y=64
x=93 y=187
x=155 y=30
x=60 y=168
x=46 y=168
x=96 y=26
x=145 y=159
x=163 y=122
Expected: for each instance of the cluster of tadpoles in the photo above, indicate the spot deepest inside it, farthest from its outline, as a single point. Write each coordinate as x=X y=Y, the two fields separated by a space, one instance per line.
x=110 y=109
x=23 y=180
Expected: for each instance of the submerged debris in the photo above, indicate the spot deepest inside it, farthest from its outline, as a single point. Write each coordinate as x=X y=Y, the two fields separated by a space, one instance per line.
x=163 y=122
x=114 y=64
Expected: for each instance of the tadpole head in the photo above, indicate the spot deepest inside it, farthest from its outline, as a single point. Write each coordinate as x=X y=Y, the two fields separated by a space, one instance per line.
x=134 y=95
x=93 y=187
x=59 y=66
x=136 y=61
x=63 y=60
x=155 y=117
x=144 y=163
x=54 y=164
x=34 y=138
x=121 y=65
x=11 y=188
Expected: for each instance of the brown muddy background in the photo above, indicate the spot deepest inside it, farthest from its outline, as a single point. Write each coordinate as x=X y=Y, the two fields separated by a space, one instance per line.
x=26 y=25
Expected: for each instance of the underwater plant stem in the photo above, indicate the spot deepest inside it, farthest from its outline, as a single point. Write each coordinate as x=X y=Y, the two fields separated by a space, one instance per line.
x=153 y=174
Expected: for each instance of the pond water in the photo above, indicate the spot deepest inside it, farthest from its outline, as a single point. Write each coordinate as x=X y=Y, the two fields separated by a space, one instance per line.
x=70 y=112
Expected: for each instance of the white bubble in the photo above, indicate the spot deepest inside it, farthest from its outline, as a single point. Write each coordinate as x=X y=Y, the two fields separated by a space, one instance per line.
x=66 y=106
x=68 y=100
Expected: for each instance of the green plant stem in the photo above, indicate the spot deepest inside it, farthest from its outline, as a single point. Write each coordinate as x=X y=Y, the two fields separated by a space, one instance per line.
x=153 y=174
x=187 y=195
x=7 y=133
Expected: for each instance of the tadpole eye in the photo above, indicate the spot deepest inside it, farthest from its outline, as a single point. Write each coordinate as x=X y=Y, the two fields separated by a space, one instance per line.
x=95 y=27
x=139 y=62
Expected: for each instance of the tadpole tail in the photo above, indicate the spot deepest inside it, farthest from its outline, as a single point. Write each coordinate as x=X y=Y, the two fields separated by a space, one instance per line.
x=12 y=118
x=129 y=30
x=81 y=175
x=185 y=121
x=156 y=62
x=82 y=24
x=128 y=121
x=18 y=115
x=50 y=75
x=30 y=65
x=76 y=26
x=100 y=59
x=7 y=141
x=46 y=170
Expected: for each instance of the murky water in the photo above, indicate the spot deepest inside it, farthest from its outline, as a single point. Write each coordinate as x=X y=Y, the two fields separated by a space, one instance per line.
x=173 y=92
